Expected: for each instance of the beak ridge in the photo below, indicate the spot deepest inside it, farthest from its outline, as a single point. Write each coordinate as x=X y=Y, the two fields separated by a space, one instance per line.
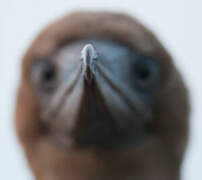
x=88 y=57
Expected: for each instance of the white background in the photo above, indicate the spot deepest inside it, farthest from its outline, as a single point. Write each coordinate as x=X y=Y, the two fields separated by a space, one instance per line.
x=178 y=23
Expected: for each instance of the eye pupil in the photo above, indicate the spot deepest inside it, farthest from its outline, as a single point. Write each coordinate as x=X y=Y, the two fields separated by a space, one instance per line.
x=143 y=73
x=48 y=74
x=48 y=77
x=146 y=73
x=44 y=75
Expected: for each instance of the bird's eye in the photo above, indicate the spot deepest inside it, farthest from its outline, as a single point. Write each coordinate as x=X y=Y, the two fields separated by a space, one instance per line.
x=147 y=73
x=44 y=75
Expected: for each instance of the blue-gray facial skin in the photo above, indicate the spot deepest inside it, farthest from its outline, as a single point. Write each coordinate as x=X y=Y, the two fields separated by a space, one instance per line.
x=124 y=81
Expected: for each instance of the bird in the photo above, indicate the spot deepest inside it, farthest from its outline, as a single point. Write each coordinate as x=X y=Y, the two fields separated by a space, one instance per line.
x=100 y=98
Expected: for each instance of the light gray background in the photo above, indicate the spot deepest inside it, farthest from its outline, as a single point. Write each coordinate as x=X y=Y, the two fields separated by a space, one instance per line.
x=176 y=22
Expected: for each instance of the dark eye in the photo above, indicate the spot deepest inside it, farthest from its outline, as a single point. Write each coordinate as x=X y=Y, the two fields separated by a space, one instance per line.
x=147 y=73
x=44 y=75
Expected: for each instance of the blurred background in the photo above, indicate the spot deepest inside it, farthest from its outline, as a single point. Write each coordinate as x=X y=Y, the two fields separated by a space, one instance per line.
x=177 y=23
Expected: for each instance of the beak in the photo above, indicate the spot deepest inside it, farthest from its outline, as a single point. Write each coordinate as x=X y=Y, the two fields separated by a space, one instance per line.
x=89 y=57
x=93 y=103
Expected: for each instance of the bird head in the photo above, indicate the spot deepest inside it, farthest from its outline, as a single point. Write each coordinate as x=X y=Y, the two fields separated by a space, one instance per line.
x=96 y=92
x=101 y=80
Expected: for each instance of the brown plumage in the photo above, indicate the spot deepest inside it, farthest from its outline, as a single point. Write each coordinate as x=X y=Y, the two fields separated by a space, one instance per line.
x=157 y=156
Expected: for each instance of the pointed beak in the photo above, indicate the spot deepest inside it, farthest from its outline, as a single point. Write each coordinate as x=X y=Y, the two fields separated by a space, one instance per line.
x=89 y=57
x=94 y=102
